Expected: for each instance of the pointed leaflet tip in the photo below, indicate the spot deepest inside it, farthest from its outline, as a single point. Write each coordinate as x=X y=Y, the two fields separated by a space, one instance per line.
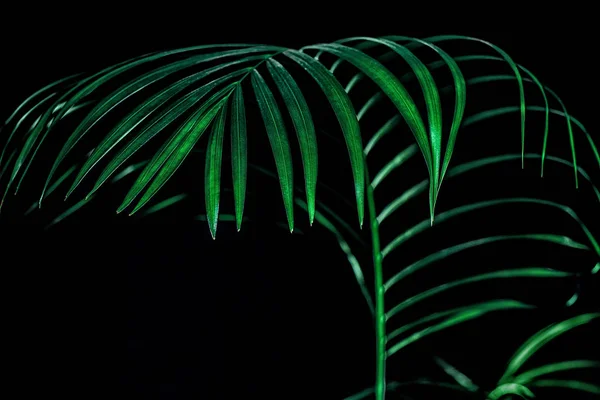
x=361 y=212
x=212 y=225
x=360 y=205
x=432 y=208
x=67 y=195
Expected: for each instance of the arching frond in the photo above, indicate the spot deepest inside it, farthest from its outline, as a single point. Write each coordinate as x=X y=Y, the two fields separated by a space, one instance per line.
x=165 y=103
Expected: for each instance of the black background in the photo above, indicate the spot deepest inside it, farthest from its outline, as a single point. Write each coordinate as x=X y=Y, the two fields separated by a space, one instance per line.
x=162 y=311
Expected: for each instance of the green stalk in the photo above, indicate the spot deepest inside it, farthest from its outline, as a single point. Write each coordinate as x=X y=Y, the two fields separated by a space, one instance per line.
x=380 y=336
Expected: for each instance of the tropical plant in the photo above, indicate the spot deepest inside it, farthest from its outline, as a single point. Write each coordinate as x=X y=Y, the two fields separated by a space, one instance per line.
x=180 y=95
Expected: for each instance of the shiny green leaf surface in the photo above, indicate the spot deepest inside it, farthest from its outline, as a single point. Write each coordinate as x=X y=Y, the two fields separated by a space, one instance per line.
x=278 y=138
x=170 y=99
x=140 y=115
x=432 y=103
x=454 y=317
x=430 y=92
x=548 y=369
x=505 y=274
x=398 y=95
x=305 y=130
x=173 y=151
x=441 y=254
x=160 y=122
x=344 y=111
x=507 y=59
x=212 y=170
x=509 y=389
x=537 y=341
x=239 y=153
x=493 y=305
x=567 y=384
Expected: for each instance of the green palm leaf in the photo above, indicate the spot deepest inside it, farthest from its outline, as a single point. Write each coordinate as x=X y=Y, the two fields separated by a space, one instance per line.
x=517 y=273
x=280 y=146
x=511 y=389
x=399 y=96
x=528 y=376
x=64 y=103
x=423 y=75
x=484 y=115
x=543 y=89
x=212 y=170
x=443 y=38
x=466 y=313
x=173 y=152
x=128 y=90
x=484 y=79
x=239 y=162
x=488 y=306
x=144 y=111
x=432 y=102
x=568 y=384
x=153 y=128
x=38 y=98
x=305 y=130
x=535 y=343
x=344 y=111
x=80 y=204
x=190 y=106
x=511 y=384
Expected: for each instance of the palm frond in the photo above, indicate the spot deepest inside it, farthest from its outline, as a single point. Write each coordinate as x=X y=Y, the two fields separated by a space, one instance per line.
x=182 y=100
x=430 y=92
x=511 y=384
x=455 y=316
x=535 y=343
x=443 y=38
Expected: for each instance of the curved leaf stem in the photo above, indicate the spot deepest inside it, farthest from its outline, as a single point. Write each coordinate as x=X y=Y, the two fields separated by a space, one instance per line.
x=380 y=334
